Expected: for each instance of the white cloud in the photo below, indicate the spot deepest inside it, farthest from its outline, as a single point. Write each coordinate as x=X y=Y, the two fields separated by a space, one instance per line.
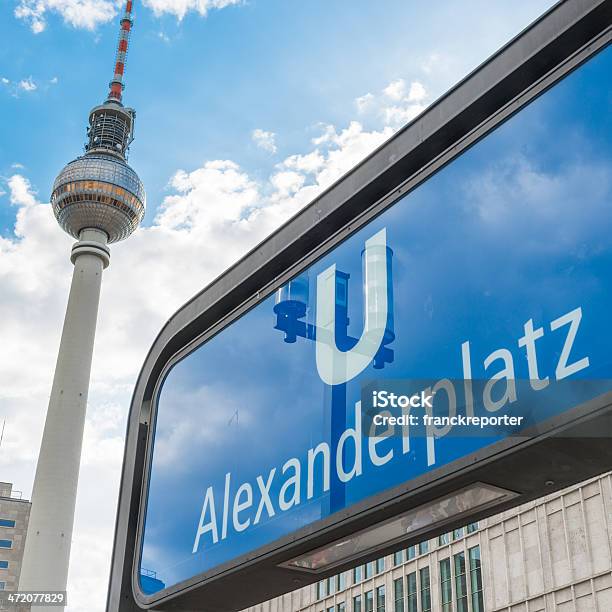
x=398 y=103
x=417 y=92
x=309 y=163
x=399 y=115
x=287 y=182
x=89 y=14
x=27 y=84
x=549 y=199
x=328 y=132
x=21 y=190
x=86 y=14
x=264 y=140
x=396 y=90
x=364 y=103
x=180 y=8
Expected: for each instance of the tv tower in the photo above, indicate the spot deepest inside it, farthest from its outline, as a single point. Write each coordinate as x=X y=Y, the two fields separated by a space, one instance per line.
x=98 y=199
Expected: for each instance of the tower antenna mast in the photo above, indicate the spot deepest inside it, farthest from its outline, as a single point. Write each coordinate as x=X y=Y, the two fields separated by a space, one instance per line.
x=116 y=85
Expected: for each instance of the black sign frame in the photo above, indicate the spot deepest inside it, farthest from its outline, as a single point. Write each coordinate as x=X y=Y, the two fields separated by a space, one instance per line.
x=562 y=39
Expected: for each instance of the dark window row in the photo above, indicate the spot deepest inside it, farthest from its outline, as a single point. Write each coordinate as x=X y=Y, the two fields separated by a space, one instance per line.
x=338 y=583
x=416 y=597
x=78 y=187
x=76 y=199
x=457 y=534
x=454 y=580
x=374 y=601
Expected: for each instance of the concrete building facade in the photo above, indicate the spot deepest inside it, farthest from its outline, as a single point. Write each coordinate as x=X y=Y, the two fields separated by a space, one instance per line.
x=552 y=554
x=14 y=517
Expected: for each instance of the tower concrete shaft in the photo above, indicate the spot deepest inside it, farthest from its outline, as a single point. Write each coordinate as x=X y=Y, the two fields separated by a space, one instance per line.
x=47 y=549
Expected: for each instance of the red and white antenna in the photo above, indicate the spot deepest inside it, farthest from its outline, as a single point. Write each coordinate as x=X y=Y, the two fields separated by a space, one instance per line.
x=116 y=85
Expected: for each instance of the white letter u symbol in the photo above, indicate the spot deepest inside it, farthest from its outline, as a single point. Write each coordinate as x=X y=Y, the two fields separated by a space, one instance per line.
x=336 y=367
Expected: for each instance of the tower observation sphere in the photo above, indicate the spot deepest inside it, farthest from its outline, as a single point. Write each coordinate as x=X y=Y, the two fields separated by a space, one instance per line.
x=98 y=199
x=99 y=189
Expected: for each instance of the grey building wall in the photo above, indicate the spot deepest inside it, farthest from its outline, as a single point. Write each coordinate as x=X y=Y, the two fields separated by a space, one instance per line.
x=12 y=508
x=553 y=554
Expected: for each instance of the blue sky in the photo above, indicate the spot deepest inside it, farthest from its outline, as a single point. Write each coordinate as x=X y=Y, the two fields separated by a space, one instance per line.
x=203 y=84
x=325 y=82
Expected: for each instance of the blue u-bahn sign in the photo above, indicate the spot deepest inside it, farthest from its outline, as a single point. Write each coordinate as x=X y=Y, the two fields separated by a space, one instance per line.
x=444 y=354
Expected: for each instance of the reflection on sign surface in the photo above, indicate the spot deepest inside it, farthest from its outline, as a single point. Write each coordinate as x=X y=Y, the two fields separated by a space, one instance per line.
x=497 y=269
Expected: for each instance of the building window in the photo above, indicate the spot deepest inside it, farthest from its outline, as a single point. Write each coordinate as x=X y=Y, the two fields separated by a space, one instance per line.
x=446 y=585
x=341 y=607
x=411 y=592
x=424 y=547
x=380 y=565
x=330 y=609
x=444 y=539
x=461 y=583
x=425 y=589
x=398 y=595
x=331 y=583
x=2 y=585
x=341 y=581
x=457 y=533
x=6 y=523
x=411 y=552
x=369 y=601
x=476 y=579
x=472 y=527
x=321 y=590
x=3 y=564
x=380 y=598
x=369 y=569
x=357 y=574
x=6 y=543
x=357 y=603
x=398 y=557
